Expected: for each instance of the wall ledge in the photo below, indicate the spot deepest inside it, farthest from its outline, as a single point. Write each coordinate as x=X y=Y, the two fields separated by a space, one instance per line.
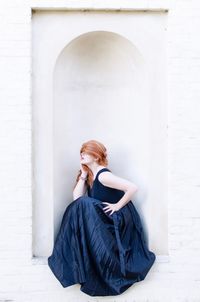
x=43 y=260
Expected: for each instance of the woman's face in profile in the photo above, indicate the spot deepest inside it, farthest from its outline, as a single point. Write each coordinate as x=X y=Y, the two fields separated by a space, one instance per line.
x=86 y=158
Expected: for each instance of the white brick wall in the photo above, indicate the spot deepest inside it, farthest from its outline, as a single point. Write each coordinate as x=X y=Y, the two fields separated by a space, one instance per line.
x=22 y=279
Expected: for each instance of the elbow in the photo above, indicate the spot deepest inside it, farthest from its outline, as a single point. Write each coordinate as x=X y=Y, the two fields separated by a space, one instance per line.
x=133 y=189
x=77 y=196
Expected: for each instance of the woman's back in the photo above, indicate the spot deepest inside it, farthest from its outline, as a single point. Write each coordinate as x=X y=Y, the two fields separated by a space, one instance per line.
x=104 y=193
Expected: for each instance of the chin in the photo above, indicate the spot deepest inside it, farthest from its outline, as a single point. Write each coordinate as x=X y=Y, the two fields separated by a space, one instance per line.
x=84 y=163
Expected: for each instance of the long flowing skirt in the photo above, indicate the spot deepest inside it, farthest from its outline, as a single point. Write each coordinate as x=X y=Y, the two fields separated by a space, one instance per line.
x=104 y=253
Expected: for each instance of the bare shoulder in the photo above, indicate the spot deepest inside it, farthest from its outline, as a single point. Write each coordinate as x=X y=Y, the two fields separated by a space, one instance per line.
x=111 y=180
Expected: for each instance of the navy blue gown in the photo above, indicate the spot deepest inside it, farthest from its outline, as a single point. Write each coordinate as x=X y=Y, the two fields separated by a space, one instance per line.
x=104 y=254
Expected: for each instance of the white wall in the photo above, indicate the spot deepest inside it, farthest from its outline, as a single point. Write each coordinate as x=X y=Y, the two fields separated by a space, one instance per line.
x=21 y=278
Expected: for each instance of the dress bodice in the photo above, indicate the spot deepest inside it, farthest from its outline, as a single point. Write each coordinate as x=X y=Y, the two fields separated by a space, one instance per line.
x=104 y=193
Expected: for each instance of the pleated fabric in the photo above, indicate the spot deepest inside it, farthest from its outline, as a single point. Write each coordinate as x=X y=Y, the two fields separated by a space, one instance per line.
x=103 y=253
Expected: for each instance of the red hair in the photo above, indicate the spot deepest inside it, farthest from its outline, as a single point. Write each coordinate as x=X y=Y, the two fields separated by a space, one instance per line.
x=96 y=149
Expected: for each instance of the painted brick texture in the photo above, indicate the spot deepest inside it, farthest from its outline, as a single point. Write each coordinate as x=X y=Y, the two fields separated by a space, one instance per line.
x=21 y=278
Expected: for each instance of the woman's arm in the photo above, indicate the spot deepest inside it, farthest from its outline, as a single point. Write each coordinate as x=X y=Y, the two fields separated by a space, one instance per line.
x=110 y=180
x=80 y=188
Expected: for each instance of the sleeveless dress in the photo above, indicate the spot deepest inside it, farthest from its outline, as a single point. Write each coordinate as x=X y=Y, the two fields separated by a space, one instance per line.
x=103 y=253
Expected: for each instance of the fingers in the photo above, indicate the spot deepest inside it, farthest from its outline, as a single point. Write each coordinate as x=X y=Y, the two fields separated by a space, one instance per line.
x=108 y=208
x=105 y=207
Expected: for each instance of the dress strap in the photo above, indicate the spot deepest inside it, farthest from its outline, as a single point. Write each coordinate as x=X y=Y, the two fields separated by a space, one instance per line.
x=102 y=170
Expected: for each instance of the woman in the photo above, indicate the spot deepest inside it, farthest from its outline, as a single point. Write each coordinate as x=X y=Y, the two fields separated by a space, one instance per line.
x=100 y=244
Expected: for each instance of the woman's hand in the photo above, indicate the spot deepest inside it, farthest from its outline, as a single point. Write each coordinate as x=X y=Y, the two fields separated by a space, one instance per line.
x=113 y=207
x=84 y=173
